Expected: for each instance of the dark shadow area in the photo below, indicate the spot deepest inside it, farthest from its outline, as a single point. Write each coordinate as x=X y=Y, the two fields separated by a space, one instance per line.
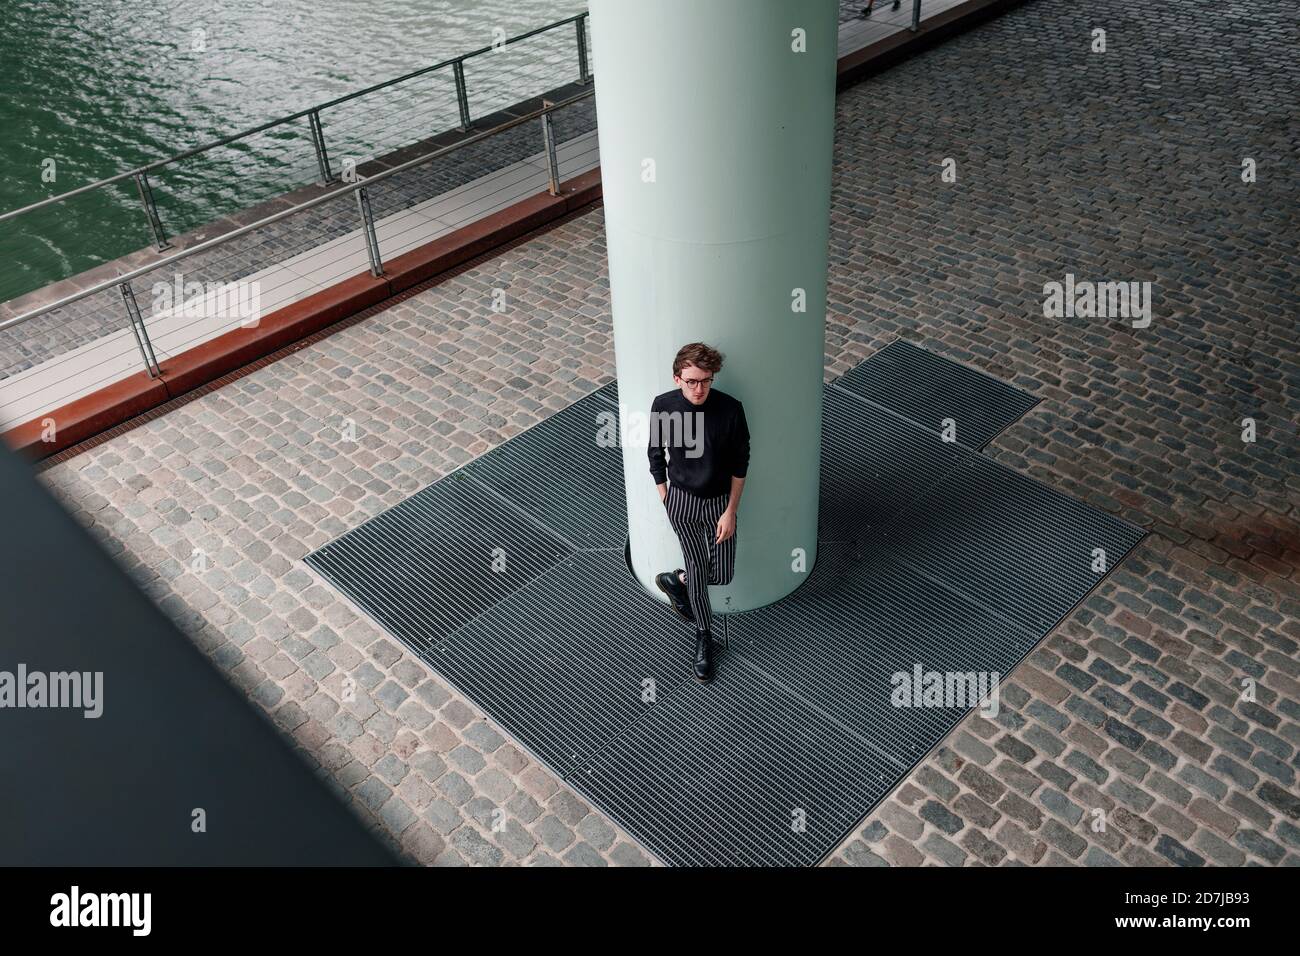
x=172 y=739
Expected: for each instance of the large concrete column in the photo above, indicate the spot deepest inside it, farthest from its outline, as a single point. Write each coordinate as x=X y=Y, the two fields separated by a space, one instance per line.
x=716 y=121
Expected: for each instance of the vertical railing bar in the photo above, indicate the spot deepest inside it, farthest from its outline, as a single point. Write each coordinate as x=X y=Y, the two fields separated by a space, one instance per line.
x=372 y=239
x=584 y=73
x=462 y=95
x=548 y=140
x=916 y=15
x=151 y=210
x=138 y=329
x=318 y=141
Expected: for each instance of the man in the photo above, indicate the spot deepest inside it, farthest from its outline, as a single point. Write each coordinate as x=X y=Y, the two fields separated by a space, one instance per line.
x=708 y=438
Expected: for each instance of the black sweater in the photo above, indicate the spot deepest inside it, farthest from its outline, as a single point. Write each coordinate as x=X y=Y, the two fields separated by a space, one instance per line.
x=706 y=469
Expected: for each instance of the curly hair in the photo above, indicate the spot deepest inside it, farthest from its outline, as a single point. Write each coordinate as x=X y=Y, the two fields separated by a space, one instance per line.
x=700 y=355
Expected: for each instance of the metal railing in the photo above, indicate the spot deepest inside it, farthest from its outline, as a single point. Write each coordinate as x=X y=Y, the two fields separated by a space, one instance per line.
x=123 y=281
x=360 y=187
x=894 y=5
x=315 y=126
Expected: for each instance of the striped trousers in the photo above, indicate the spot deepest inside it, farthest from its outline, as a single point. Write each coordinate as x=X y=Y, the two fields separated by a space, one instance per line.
x=695 y=520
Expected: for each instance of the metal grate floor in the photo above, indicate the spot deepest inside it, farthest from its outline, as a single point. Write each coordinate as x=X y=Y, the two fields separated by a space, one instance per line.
x=929 y=389
x=930 y=555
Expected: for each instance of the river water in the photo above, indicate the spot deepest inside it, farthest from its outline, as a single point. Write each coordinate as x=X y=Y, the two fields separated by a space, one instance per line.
x=91 y=88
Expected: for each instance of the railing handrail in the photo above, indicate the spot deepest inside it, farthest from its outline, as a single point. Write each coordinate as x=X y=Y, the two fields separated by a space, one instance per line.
x=280 y=121
x=284 y=213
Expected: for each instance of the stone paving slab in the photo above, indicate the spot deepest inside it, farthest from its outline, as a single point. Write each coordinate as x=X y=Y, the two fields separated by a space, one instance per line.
x=1122 y=165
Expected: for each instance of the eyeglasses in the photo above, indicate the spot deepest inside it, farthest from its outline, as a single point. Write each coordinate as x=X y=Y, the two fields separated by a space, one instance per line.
x=697 y=382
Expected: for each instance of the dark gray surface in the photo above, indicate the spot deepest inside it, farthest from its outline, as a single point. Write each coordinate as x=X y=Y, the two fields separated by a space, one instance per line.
x=119 y=789
x=425 y=568
x=927 y=388
x=873 y=464
x=561 y=476
x=575 y=651
x=929 y=554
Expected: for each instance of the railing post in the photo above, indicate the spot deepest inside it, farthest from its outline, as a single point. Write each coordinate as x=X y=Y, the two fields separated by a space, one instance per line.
x=151 y=210
x=462 y=97
x=584 y=71
x=137 y=328
x=372 y=238
x=548 y=139
x=318 y=141
x=916 y=15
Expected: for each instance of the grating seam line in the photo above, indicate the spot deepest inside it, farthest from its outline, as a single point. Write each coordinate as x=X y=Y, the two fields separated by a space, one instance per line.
x=363 y=541
x=516 y=457
x=974 y=460
x=427 y=655
x=1048 y=540
x=1042 y=619
x=418 y=621
x=1006 y=545
x=942 y=735
x=857 y=413
x=551 y=733
x=514 y=507
x=723 y=711
x=816 y=708
x=883 y=408
x=558 y=595
x=860 y=604
x=1001 y=402
x=426 y=504
x=860 y=598
x=465 y=469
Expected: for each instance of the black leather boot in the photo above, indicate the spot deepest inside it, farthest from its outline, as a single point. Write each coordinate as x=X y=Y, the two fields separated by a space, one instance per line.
x=703 y=656
x=671 y=585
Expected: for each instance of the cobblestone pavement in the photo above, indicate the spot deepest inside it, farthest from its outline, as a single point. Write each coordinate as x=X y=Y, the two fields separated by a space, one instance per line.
x=1124 y=165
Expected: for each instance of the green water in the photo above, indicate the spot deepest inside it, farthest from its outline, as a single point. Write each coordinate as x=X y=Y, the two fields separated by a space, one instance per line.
x=99 y=86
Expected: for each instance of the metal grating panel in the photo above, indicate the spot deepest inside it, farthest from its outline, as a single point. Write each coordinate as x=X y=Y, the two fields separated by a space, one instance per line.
x=860 y=619
x=714 y=775
x=557 y=472
x=1007 y=542
x=564 y=662
x=873 y=464
x=609 y=392
x=424 y=568
x=926 y=388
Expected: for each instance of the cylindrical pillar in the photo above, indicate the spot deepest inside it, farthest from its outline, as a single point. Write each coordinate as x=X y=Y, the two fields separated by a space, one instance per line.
x=716 y=123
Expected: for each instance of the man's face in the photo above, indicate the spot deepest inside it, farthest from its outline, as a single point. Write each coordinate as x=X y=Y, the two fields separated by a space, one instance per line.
x=694 y=383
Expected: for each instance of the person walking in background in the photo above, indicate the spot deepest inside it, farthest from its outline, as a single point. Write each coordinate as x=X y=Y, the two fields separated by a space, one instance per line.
x=704 y=431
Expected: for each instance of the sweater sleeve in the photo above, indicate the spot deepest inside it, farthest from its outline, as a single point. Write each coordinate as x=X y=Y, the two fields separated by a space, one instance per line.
x=740 y=444
x=658 y=463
